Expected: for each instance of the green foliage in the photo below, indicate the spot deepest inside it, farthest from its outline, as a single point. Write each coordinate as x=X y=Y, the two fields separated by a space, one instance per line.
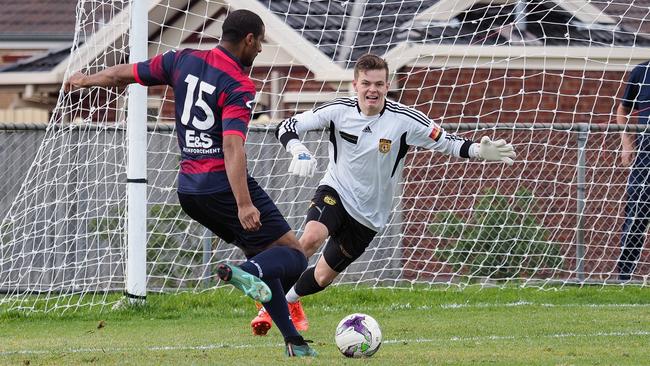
x=501 y=238
x=169 y=256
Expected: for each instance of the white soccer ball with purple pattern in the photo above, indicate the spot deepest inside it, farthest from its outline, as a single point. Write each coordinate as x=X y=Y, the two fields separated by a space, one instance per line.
x=358 y=335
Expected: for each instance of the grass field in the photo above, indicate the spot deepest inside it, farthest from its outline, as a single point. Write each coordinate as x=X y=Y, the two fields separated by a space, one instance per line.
x=569 y=326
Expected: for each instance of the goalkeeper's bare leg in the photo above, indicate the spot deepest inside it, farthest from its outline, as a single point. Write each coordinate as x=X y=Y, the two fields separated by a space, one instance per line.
x=315 y=279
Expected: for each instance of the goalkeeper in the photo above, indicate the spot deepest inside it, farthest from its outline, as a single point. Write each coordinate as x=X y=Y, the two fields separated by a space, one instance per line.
x=213 y=98
x=369 y=139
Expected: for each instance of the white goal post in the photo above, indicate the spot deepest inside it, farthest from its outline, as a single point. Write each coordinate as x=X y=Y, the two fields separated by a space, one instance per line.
x=546 y=75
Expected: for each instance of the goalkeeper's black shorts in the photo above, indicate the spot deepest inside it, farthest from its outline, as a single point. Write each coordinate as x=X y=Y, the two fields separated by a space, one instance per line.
x=350 y=235
x=218 y=212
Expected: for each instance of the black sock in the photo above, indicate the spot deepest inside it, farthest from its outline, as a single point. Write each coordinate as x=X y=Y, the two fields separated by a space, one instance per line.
x=277 y=262
x=288 y=282
x=274 y=266
x=297 y=340
x=279 y=310
x=307 y=284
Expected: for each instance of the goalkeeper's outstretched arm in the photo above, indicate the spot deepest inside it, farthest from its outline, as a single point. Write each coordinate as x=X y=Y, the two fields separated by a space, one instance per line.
x=434 y=137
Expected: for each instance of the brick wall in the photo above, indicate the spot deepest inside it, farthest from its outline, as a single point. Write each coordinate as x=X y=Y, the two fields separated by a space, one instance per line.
x=546 y=159
x=493 y=95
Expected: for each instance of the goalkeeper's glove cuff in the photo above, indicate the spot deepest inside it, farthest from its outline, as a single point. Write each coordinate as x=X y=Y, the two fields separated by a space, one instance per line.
x=291 y=144
x=474 y=150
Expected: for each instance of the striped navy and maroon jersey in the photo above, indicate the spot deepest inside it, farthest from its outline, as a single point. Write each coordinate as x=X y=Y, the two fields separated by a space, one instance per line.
x=213 y=98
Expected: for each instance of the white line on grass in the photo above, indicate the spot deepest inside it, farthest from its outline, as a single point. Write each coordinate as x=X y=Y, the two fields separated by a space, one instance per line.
x=208 y=347
x=528 y=303
x=402 y=306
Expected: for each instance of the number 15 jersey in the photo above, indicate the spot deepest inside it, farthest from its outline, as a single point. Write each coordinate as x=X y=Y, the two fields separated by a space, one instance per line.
x=213 y=98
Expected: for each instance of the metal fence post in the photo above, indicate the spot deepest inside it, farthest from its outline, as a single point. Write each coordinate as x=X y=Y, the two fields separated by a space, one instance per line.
x=207 y=254
x=583 y=131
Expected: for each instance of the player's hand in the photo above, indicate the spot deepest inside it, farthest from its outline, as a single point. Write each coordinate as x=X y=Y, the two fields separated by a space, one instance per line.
x=303 y=163
x=627 y=152
x=249 y=217
x=74 y=82
x=498 y=150
x=627 y=158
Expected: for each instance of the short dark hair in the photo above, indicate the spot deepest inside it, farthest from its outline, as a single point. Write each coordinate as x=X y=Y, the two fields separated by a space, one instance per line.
x=370 y=62
x=239 y=24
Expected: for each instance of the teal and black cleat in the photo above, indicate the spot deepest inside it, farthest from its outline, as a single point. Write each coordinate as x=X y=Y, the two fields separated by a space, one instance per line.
x=252 y=286
x=294 y=350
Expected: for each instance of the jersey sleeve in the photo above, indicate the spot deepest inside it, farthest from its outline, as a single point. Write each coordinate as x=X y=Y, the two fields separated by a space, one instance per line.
x=426 y=133
x=237 y=109
x=632 y=89
x=315 y=119
x=157 y=70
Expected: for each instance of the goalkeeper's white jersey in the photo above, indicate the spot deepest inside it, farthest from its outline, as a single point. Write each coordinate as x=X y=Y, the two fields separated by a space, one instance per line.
x=366 y=153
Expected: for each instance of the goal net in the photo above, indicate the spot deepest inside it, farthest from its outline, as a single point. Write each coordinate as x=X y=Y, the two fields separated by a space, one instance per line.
x=545 y=75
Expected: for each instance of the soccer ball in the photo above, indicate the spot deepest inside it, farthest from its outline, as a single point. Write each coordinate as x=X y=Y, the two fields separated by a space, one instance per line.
x=358 y=335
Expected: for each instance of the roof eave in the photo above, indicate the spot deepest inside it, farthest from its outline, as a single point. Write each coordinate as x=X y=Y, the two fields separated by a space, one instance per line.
x=445 y=10
x=518 y=57
x=15 y=78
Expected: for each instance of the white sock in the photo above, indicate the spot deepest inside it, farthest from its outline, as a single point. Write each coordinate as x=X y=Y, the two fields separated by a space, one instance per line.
x=292 y=296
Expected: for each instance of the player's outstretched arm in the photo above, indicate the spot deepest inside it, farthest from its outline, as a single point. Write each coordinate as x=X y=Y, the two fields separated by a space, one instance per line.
x=498 y=150
x=118 y=75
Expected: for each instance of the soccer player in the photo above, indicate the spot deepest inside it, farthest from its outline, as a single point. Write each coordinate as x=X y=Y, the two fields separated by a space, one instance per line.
x=369 y=138
x=213 y=101
x=637 y=207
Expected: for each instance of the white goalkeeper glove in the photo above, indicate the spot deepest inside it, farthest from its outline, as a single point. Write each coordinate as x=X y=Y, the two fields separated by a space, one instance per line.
x=498 y=150
x=303 y=163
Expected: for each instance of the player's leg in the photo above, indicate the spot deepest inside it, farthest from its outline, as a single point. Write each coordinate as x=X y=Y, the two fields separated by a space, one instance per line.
x=322 y=216
x=262 y=323
x=279 y=260
x=636 y=222
x=273 y=251
x=313 y=236
x=325 y=215
x=315 y=279
x=196 y=206
x=282 y=260
x=277 y=308
x=266 y=261
x=342 y=249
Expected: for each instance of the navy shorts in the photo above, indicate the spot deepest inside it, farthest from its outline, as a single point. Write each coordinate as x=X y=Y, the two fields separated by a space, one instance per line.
x=218 y=212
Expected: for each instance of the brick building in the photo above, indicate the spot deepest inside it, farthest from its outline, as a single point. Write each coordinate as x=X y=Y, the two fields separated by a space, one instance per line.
x=493 y=62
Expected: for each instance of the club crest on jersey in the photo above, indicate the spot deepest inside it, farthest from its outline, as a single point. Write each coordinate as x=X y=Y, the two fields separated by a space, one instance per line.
x=384 y=145
x=329 y=200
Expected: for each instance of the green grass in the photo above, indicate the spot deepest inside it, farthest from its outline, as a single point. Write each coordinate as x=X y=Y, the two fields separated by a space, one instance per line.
x=568 y=326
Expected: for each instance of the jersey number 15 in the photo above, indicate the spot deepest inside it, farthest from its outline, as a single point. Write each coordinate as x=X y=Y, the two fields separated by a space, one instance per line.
x=204 y=87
